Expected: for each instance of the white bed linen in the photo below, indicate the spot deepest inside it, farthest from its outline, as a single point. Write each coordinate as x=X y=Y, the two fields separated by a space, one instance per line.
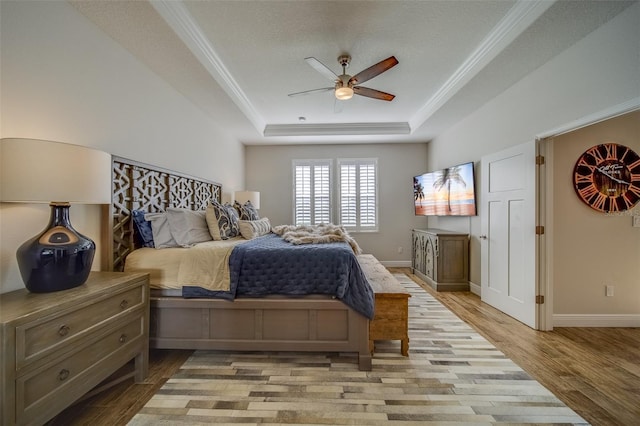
x=204 y=265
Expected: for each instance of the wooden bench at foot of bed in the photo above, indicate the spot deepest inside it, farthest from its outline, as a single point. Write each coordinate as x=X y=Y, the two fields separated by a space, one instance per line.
x=391 y=319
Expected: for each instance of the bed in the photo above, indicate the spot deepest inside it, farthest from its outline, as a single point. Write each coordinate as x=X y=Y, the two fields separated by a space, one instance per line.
x=247 y=323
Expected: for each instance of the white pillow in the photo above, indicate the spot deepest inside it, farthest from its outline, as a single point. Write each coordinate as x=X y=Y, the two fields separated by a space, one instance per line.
x=254 y=228
x=188 y=227
x=161 y=231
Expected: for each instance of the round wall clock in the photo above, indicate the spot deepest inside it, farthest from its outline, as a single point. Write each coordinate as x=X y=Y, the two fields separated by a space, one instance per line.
x=607 y=177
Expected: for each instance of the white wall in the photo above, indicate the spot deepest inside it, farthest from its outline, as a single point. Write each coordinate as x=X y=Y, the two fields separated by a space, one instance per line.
x=600 y=71
x=62 y=79
x=269 y=168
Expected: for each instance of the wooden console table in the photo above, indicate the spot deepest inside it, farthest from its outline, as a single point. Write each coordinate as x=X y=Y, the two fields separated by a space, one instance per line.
x=441 y=258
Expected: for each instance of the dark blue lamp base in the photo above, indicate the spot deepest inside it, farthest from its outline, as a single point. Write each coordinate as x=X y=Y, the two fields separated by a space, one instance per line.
x=59 y=258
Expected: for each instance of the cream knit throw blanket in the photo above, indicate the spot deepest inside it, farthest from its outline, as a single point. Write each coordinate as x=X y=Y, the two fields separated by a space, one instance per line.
x=323 y=233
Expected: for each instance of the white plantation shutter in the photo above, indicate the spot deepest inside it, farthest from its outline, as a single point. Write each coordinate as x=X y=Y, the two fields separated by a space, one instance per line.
x=322 y=193
x=348 y=195
x=367 y=196
x=302 y=188
x=312 y=191
x=358 y=194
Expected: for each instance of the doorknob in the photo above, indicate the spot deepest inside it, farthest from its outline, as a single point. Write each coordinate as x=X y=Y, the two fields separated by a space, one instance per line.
x=483 y=237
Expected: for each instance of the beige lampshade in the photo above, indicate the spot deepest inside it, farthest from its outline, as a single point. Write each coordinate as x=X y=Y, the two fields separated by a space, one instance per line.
x=244 y=196
x=39 y=171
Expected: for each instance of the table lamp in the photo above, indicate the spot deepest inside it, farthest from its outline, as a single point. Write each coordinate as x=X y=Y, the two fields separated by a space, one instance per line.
x=38 y=171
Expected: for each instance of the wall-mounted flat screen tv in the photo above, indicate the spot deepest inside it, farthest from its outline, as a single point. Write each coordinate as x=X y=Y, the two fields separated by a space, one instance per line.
x=446 y=192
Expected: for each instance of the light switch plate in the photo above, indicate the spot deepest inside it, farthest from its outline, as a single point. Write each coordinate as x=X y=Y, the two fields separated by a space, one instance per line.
x=636 y=221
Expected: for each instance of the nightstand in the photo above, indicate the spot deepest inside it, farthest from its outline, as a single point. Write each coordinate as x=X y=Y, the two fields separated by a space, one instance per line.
x=58 y=346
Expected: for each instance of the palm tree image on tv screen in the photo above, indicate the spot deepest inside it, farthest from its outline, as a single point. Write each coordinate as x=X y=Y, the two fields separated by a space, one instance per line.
x=446 y=192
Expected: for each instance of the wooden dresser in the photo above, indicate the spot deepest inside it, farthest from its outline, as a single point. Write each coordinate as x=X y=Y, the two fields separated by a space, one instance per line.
x=391 y=317
x=58 y=346
x=441 y=258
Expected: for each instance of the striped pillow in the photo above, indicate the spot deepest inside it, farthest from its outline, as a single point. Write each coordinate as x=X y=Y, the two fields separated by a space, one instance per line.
x=250 y=229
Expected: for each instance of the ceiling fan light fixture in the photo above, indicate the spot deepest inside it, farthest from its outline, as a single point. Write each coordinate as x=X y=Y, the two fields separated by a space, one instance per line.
x=344 y=93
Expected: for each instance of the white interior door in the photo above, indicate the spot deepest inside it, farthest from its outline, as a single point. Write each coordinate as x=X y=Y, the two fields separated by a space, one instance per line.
x=508 y=239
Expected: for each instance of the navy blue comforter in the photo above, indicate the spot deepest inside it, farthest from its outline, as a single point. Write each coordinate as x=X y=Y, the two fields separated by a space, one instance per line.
x=271 y=265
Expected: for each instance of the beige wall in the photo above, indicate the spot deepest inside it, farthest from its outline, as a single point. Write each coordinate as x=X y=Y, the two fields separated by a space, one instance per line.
x=592 y=248
x=64 y=80
x=268 y=170
x=597 y=74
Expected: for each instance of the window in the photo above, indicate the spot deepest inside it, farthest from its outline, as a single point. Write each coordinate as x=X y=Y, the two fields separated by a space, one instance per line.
x=312 y=192
x=358 y=194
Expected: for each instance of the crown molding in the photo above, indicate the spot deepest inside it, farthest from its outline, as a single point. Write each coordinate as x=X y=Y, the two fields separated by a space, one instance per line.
x=606 y=114
x=518 y=19
x=337 y=129
x=182 y=23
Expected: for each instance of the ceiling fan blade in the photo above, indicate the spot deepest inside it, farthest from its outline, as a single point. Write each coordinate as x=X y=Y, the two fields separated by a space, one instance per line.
x=307 y=92
x=374 y=70
x=321 y=68
x=373 y=93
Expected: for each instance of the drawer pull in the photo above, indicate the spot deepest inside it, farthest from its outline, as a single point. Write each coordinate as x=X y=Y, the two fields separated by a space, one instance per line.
x=123 y=338
x=63 y=374
x=124 y=304
x=63 y=331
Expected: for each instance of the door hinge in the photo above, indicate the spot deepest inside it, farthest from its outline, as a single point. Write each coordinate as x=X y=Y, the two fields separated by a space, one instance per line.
x=539 y=160
x=539 y=299
x=539 y=230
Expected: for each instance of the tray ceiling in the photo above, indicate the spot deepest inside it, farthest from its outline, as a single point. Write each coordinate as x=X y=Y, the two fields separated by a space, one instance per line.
x=238 y=60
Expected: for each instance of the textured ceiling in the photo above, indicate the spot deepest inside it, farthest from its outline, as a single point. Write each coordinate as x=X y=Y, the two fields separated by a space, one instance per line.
x=238 y=60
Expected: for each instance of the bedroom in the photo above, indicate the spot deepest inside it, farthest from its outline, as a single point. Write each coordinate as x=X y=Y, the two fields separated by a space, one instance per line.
x=63 y=79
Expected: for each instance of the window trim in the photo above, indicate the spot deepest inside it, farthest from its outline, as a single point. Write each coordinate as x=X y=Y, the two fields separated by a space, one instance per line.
x=313 y=162
x=358 y=162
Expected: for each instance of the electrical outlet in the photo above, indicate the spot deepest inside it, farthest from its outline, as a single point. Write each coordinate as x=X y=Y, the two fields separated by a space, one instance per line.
x=400 y=249
x=608 y=290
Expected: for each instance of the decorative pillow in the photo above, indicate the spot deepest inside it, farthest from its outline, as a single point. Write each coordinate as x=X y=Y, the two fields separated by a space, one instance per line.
x=225 y=218
x=188 y=227
x=212 y=223
x=246 y=211
x=142 y=228
x=162 y=237
x=254 y=228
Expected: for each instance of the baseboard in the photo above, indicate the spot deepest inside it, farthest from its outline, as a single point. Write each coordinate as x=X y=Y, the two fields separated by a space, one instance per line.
x=582 y=320
x=587 y=320
x=475 y=288
x=396 y=263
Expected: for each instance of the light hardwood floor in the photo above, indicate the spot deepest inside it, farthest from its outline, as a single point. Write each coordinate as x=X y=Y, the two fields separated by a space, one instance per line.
x=595 y=371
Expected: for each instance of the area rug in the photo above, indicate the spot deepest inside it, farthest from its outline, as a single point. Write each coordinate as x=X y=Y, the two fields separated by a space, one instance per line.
x=452 y=376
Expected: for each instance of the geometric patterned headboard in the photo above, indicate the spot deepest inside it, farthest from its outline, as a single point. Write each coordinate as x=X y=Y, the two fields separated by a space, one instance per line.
x=139 y=186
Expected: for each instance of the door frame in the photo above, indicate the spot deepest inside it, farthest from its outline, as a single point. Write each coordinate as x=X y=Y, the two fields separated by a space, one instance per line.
x=545 y=142
x=544 y=249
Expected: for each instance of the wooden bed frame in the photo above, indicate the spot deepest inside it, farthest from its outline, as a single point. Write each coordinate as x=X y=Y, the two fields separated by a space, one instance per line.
x=275 y=323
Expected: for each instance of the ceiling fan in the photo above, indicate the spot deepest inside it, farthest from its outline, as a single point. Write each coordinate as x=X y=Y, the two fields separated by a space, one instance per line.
x=345 y=86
